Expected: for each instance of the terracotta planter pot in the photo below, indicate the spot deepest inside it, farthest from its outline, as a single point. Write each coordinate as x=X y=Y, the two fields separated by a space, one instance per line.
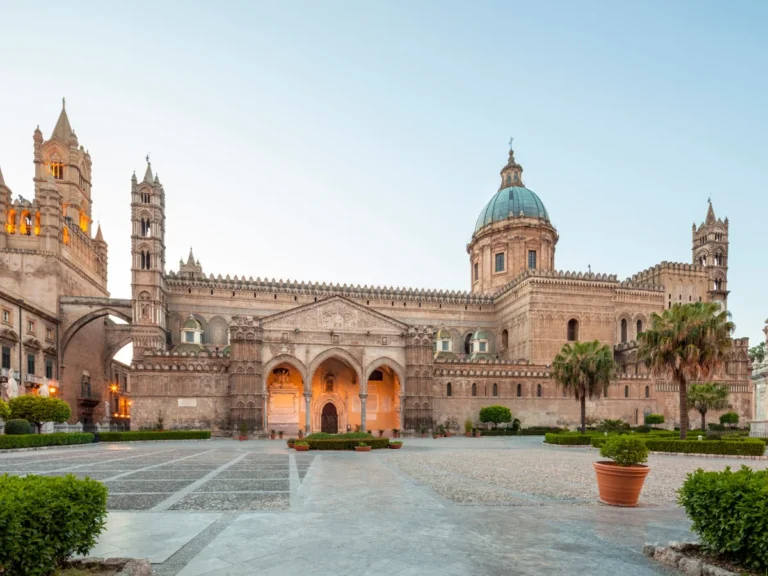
x=395 y=446
x=468 y=434
x=243 y=438
x=620 y=485
x=362 y=448
x=478 y=435
x=271 y=436
x=301 y=448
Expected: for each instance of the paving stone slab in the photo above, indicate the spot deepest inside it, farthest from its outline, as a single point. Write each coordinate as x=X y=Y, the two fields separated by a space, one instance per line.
x=243 y=485
x=230 y=474
x=134 y=501
x=225 y=501
x=132 y=486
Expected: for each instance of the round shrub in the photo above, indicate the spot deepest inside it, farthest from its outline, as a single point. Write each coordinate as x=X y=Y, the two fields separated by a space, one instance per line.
x=625 y=450
x=495 y=414
x=39 y=409
x=652 y=419
x=643 y=429
x=730 y=418
x=18 y=426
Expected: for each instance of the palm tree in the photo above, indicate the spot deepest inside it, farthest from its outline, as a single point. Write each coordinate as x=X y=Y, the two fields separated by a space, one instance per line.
x=706 y=397
x=583 y=369
x=686 y=342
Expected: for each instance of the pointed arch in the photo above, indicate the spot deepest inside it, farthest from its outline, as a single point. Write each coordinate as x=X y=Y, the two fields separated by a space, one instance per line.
x=389 y=363
x=284 y=359
x=340 y=354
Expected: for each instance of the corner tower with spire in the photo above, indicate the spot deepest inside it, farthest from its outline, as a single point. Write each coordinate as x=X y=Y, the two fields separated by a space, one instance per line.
x=148 y=263
x=710 y=249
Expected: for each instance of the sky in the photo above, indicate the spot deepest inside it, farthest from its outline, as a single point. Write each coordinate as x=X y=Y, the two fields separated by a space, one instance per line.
x=356 y=142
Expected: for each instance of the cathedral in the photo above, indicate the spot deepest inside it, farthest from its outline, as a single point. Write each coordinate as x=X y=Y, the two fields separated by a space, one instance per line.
x=213 y=351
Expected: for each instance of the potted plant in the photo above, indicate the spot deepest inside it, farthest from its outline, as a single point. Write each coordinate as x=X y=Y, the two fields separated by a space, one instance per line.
x=477 y=433
x=381 y=433
x=423 y=431
x=280 y=434
x=301 y=446
x=301 y=433
x=620 y=482
x=243 y=431
x=272 y=434
x=396 y=445
x=395 y=432
x=290 y=442
x=362 y=447
x=468 y=428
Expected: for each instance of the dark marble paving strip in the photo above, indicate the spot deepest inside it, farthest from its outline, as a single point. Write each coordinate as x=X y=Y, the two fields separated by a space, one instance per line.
x=146 y=486
x=134 y=501
x=243 y=485
x=234 y=501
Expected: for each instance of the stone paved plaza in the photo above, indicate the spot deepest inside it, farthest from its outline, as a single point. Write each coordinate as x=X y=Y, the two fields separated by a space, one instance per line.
x=457 y=506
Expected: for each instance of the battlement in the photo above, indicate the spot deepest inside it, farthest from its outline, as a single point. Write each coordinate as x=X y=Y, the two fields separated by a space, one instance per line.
x=294 y=287
x=652 y=274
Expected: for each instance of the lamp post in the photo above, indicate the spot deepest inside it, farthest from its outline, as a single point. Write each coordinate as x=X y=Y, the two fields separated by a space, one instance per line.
x=113 y=390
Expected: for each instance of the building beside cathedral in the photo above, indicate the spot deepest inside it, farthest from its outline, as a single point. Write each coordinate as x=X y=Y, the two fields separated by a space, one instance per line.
x=212 y=351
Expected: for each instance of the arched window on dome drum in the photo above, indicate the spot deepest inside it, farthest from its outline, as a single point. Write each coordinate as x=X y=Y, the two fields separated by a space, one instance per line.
x=623 y=330
x=474 y=389
x=538 y=390
x=468 y=344
x=647 y=392
x=573 y=330
x=504 y=339
x=448 y=391
x=495 y=389
x=639 y=327
x=519 y=390
x=626 y=391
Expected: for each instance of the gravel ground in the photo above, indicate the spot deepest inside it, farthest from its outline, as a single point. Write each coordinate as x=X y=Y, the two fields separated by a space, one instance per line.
x=540 y=475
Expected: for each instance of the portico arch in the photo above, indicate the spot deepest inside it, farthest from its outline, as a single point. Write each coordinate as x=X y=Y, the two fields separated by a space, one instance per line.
x=385 y=397
x=339 y=353
x=389 y=363
x=90 y=317
x=283 y=359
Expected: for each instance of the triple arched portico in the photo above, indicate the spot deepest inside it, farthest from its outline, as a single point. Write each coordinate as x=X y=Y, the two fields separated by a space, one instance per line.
x=336 y=385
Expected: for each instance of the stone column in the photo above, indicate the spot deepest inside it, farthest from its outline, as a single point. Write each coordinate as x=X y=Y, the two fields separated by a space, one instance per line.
x=308 y=400
x=363 y=399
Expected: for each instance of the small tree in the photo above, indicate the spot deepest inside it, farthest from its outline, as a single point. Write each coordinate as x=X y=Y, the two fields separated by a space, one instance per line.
x=5 y=411
x=652 y=419
x=730 y=418
x=757 y=353
x=706 y=397
x=495 y=414
x=39 y=409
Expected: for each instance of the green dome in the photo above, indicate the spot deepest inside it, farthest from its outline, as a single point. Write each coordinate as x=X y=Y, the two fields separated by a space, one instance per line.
x=481 y=334
x=193 y=324
x=443 y=334
x=510 y=203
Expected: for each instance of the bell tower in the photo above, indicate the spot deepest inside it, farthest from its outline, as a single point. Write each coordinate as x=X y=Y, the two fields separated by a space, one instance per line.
x=710 y=249
x=148 y=263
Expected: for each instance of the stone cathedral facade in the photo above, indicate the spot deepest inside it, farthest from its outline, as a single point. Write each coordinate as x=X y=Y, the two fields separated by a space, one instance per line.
x=211 y=351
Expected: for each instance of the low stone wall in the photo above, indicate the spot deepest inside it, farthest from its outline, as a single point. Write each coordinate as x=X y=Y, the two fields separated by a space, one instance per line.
x=682 y=556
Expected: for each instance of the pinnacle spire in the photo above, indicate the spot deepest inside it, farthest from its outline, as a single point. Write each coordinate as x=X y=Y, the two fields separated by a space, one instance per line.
x=710 y=213
x=191 y=258
x=512 y=173
x=63 y=129
x=99 y=236
x=148 y=178
x=2 y=180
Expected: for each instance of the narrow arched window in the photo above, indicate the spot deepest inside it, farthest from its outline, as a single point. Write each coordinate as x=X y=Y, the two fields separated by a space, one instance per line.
x=448 y=391
x=623 y=330
x=647 y=392
x=519 y=390
x=474 y=389
x=605 y=391
x=573 y=330
x=468 y=344
x=495 y=389
x=504 y=339
x=626 y=391
x=538 y=390
x=639 y=327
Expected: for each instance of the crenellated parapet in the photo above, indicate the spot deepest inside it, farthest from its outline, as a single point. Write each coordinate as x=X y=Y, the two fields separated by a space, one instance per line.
x=653 y=274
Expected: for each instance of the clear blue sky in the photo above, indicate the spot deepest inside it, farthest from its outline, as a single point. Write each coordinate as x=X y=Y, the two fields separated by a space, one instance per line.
x=357 y=141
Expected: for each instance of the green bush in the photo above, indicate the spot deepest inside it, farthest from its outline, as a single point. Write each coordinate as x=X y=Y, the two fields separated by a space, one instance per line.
x=654 y=419
x=300 y=443
x=46 y=519
x=495 y=414
x=18 y=426
x=39 y=409
x=643 y=429
x=37 y=440
x=609 y=425
x=541 y=430
x=346 y=435
x=345 y=443
x=729 y=511
x=625 y=450
x=568 y=439
x=499 y=432
x=745 y=447
x=730 y=418
x=144 y=436
x=5 y=411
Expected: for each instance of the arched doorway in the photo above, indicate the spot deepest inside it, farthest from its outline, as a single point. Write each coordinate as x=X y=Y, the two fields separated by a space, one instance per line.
x=330 y=419
x=284 y=403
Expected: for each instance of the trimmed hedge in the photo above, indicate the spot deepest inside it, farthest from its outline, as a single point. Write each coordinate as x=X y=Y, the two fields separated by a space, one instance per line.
x=729 y=511
x=46 y=519
x=37 y=440
x=568 y=439
x=18 y=426
x=541 y=430
x=345 y=444
x=735 y=447
x=500 y=432
x=144 y=436
x=346 y=436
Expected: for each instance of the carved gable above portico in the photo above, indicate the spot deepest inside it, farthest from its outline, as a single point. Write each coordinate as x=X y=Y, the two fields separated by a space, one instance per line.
x=334 y=313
